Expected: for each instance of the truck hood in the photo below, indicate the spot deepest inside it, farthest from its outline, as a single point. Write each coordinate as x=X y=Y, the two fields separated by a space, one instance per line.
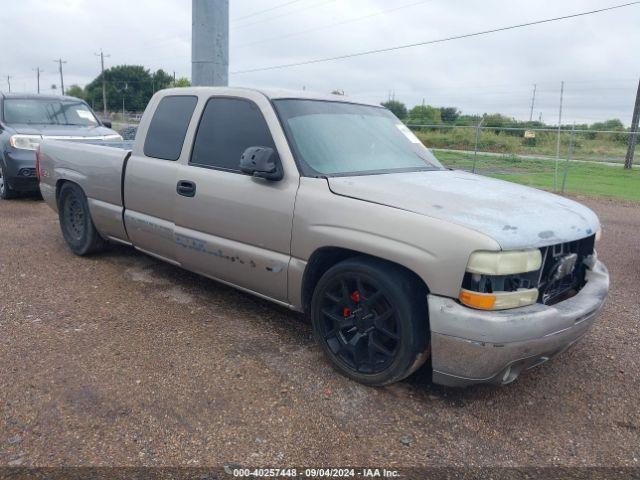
x=515 y=216
x=61 y=130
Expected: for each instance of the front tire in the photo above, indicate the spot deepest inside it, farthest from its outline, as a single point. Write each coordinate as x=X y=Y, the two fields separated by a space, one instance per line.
x=6 y=192
x=370 y=318
x=75 y=221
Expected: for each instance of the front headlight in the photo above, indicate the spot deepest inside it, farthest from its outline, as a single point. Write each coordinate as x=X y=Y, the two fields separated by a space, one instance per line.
x=501 y=280
x=504 y=263
x=25 y=142
x=499 y=300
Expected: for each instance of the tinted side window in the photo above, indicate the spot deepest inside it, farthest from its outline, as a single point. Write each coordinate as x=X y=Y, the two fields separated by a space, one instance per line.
x=228 y=127
x=168 y=127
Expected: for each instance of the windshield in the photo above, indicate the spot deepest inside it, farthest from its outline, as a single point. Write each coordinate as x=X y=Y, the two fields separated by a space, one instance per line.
x=35 y=111
x=336 y=138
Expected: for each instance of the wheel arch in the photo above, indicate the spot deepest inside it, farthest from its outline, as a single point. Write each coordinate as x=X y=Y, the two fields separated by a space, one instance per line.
x=323 y=258
x=61 y=182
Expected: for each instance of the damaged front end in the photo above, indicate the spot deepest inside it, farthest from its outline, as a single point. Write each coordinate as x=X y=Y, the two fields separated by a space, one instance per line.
x=495 y=343
x=558 y=274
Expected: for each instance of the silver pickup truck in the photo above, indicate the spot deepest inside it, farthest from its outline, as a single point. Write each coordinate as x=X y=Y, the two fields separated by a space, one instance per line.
x=334 y=208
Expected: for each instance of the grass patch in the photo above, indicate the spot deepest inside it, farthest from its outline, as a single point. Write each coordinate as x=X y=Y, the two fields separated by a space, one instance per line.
x=582 y=178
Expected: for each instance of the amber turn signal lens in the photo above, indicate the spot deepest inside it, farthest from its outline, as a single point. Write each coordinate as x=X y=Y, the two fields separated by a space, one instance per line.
x=482 y=301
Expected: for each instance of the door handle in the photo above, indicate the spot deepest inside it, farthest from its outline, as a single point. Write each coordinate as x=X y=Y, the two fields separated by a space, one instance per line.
x=186 y=188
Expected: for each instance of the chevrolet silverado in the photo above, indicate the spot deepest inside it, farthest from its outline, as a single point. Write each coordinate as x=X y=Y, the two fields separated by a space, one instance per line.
x=335 y=208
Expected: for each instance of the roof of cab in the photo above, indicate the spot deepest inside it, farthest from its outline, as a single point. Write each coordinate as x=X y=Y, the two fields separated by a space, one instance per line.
x=272 y=94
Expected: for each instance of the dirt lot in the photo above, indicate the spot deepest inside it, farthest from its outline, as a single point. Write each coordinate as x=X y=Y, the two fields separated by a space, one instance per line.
x=119 y=359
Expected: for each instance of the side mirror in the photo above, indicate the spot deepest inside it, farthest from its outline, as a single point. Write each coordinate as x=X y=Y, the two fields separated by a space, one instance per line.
x=261 y=162
x=107 y=123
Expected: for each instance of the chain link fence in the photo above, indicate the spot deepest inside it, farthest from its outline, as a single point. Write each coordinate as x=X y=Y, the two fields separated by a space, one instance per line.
x=563 y=159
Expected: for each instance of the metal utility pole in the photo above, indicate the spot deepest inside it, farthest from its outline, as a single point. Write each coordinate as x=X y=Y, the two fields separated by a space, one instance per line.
x=124 y=91
x=38 y=72
x=555 y=177
x=569 y=157
x=210 y=43
x=104 y=82
x=60 y=62
x=9 y=82
x=533 y=102
x=633 y=137
x=475 y=151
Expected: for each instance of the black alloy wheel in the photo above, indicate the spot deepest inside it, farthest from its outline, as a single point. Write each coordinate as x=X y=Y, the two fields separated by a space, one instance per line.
x=370 y=320
x=359 y=323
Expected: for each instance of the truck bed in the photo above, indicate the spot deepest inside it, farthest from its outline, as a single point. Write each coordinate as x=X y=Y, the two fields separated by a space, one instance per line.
x=98 y=168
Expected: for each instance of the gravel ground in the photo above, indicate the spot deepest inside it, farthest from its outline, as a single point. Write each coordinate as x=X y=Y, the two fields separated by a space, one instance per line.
x=119 y=359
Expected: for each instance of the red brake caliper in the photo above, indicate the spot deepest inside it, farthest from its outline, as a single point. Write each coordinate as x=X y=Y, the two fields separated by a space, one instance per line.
x=355 y=296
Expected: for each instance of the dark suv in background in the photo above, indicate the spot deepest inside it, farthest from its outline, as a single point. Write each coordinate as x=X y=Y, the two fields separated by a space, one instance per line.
x=25 y=119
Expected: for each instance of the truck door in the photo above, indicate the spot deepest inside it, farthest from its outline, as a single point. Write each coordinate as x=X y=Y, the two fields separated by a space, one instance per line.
x=150 y=178
x=231 y=226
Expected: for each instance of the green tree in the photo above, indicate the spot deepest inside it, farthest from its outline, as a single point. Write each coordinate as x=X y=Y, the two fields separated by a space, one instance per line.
x=497 y=120
x=132 y=83
x=425 y=115
x=608 y=125
x=76 y=91
x=467 y=120
x=161 y=80
x=613 y=125
x=182 y=82
x=449 y=114
x=399 y=109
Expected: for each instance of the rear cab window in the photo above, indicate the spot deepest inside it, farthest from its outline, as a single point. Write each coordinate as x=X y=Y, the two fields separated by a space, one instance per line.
x=227 y=128
x=168 y=127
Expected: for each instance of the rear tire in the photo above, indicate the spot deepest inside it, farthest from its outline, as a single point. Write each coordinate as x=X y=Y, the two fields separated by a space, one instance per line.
x=6 y=192
x=370 y=317
x=75 y=221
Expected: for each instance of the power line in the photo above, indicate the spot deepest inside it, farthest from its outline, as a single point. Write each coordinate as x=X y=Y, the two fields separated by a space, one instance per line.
x=315 y=5
x=260 y=12
x=431 y=42
x=336 y=24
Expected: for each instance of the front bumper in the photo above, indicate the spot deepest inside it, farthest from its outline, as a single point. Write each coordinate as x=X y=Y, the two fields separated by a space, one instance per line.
x=19 y=170
x=472 y=346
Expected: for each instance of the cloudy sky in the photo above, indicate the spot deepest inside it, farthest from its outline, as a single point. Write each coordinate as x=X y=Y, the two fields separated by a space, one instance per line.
x=494 y=73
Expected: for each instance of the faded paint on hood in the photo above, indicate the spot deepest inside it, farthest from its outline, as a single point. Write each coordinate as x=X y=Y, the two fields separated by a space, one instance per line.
x=513 y=215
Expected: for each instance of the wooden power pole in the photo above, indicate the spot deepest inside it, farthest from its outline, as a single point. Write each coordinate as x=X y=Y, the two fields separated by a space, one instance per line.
x=533 y=103
x=38 y=72
x=60 y=62
x=104 y=83
x=633 y=137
